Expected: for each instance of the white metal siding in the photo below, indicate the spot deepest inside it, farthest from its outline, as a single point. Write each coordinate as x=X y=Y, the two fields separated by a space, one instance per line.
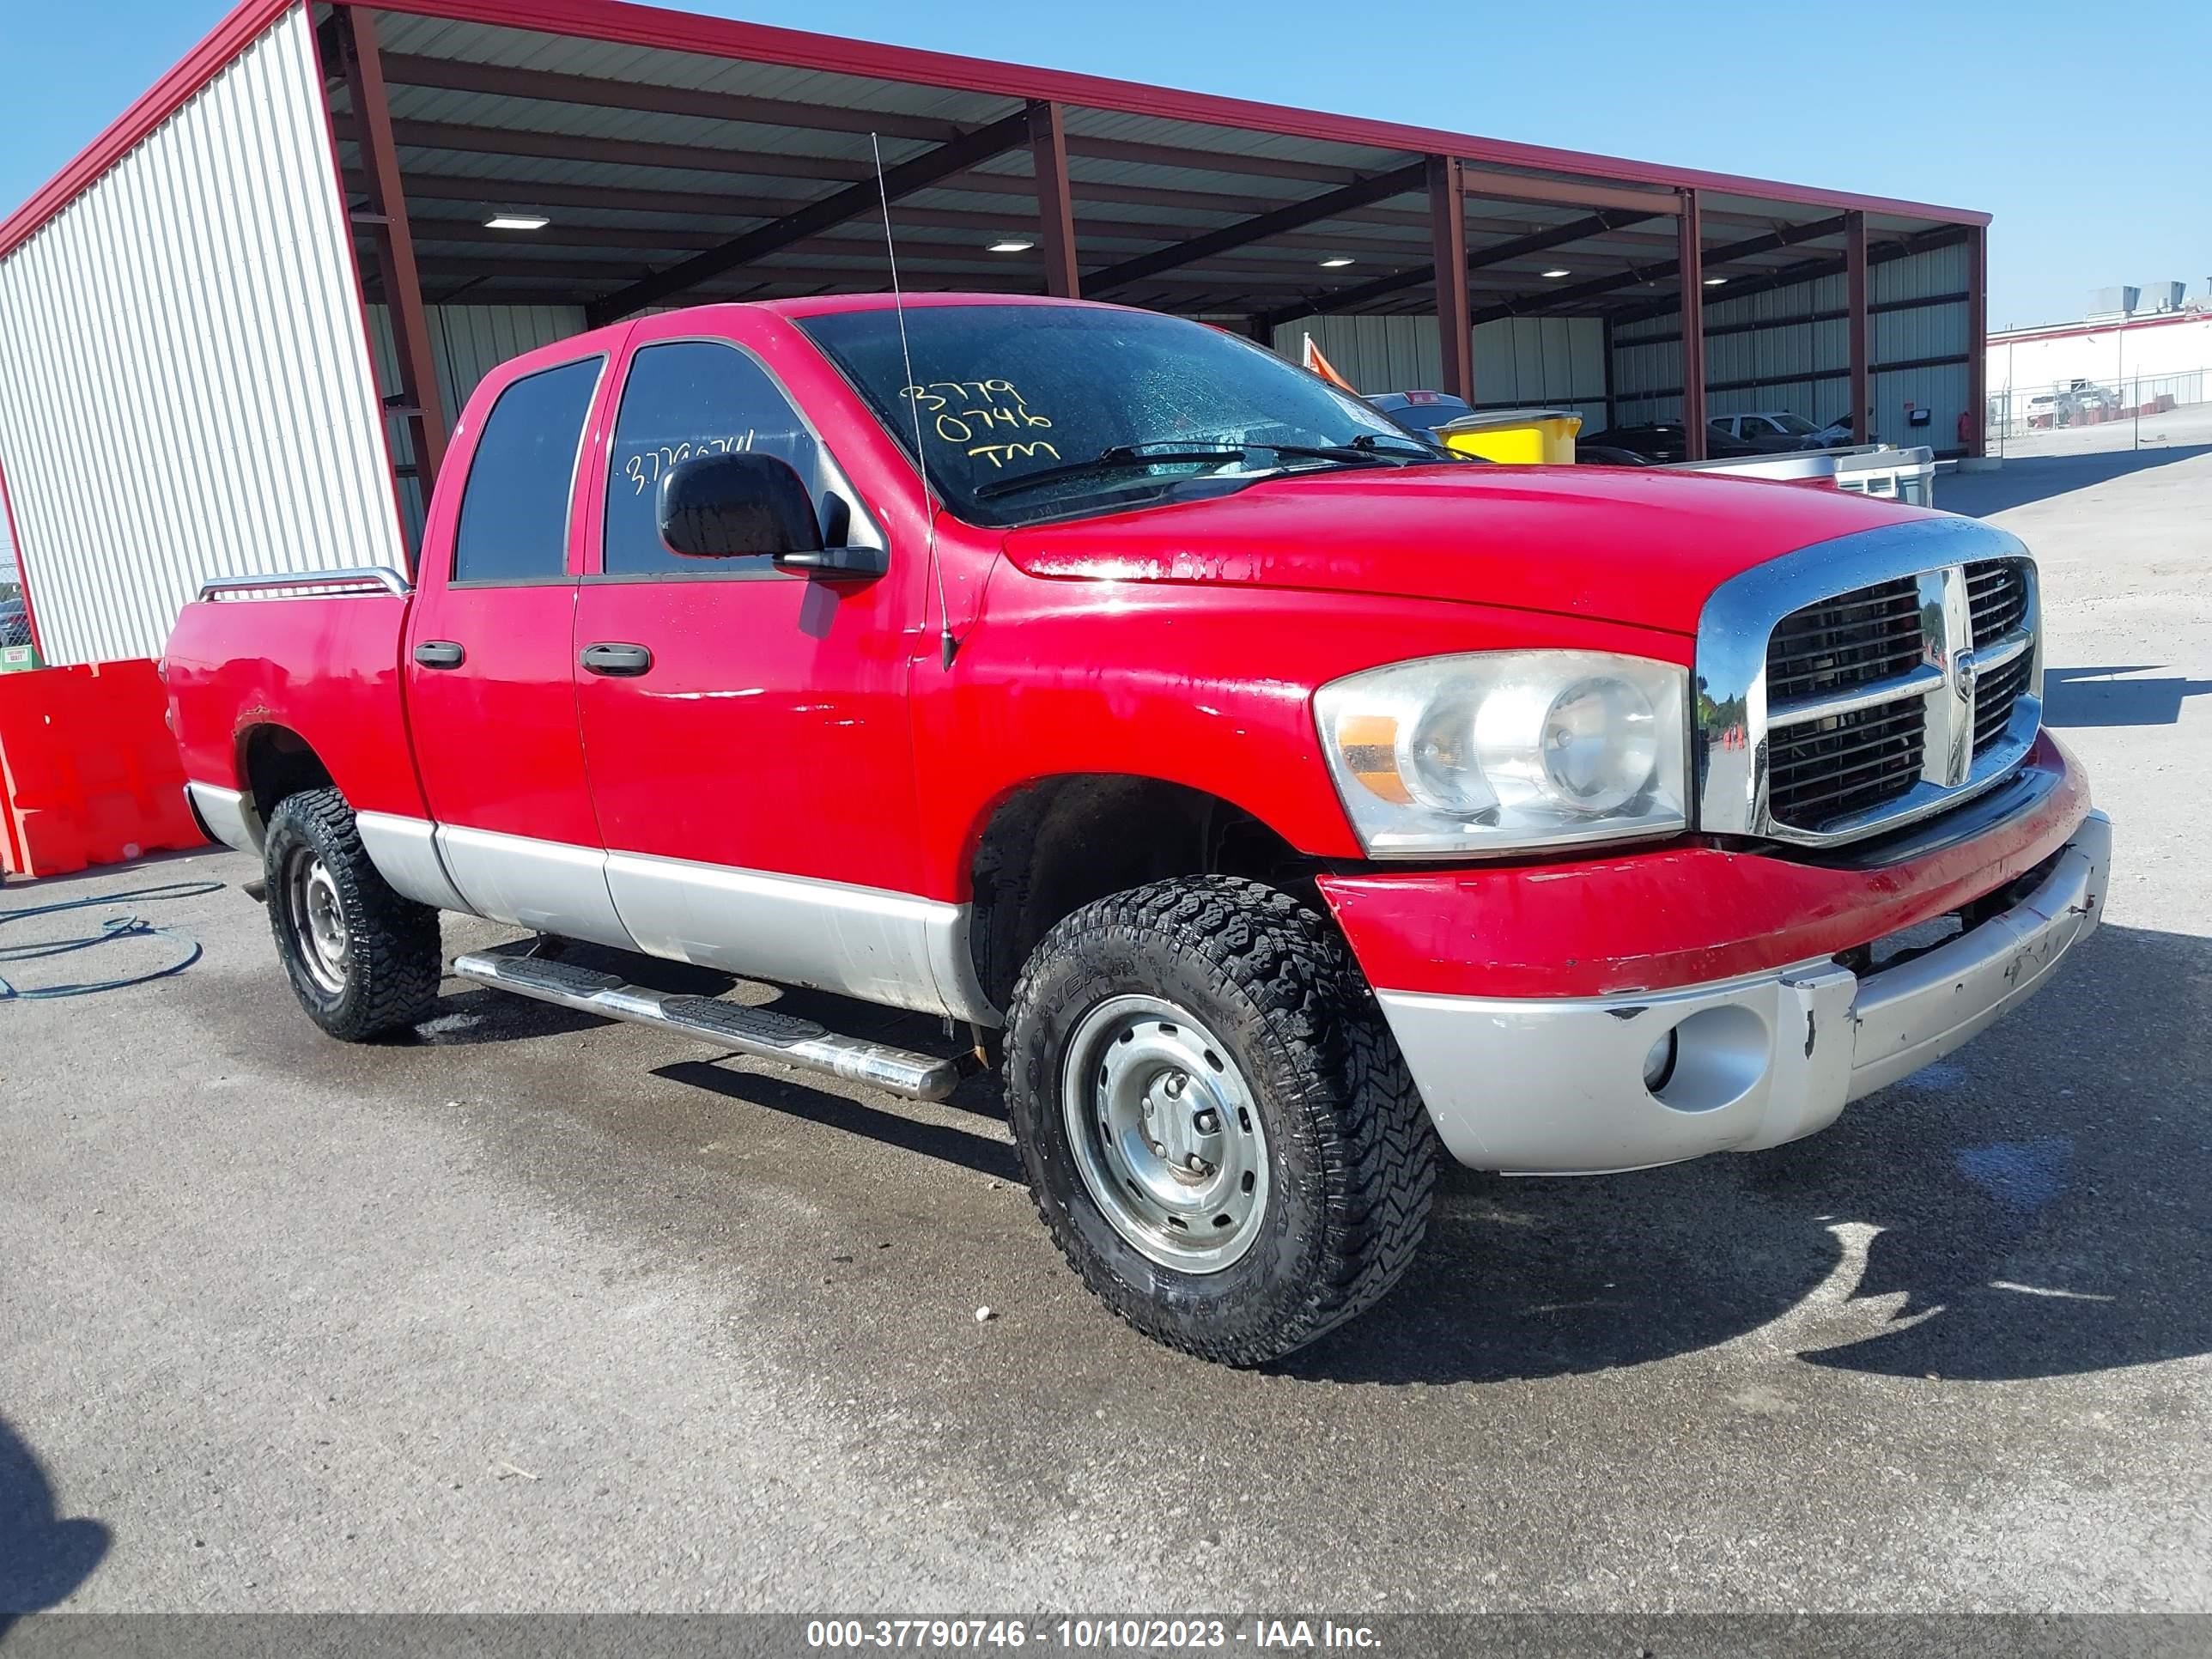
x=468 y=343
x=1804 y=366
x=1557 y=362
x=185 y=388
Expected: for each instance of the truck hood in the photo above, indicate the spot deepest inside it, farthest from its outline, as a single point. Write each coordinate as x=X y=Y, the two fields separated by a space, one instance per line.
x=1614 y=544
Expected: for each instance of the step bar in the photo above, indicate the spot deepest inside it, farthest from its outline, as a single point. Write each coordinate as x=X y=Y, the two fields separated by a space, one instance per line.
x=762 y=1033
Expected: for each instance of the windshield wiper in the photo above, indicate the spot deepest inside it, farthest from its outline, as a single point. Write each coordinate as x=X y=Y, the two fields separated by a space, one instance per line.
x=1113 y=458
x=1363 y=450
x=1411 y=448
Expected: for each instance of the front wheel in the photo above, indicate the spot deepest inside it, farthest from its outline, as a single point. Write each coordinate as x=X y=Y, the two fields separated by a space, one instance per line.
x=1217 y=1126
x=363 y=960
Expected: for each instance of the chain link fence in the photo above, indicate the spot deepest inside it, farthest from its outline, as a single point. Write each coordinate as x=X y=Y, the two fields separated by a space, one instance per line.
x=2082 y=415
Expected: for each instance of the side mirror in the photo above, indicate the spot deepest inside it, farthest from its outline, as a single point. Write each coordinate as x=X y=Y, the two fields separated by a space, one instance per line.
x=751 y=505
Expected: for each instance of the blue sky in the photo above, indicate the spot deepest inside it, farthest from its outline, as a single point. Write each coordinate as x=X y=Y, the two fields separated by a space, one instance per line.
x=2080 y=128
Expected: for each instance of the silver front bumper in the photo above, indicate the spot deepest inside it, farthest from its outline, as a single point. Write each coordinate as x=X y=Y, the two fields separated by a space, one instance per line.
x=1555 y=1087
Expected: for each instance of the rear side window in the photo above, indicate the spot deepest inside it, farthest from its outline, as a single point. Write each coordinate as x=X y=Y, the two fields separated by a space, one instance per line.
x=514 y=513
x=683 y=398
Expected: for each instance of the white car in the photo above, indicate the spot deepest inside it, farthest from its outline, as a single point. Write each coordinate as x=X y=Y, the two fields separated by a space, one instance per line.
x=1776 y=429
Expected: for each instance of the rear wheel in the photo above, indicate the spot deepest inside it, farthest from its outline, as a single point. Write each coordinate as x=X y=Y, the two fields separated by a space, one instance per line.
x=363 y=960
x=1217 y=1126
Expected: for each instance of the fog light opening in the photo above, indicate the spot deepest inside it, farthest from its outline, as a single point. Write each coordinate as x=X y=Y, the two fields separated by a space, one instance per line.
x=1659 y=1064
x=1721 y=1054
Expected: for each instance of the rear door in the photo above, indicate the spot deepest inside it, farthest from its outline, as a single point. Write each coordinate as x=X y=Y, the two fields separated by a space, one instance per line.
x=491 y=664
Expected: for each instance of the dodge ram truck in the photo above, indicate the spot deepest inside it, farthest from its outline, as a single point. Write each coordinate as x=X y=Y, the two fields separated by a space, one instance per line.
x=1282 y=803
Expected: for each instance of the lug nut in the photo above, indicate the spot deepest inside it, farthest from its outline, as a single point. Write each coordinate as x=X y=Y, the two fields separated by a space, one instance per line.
x=1196 y=1164
x=1176 y=1085
x=1207 y=1123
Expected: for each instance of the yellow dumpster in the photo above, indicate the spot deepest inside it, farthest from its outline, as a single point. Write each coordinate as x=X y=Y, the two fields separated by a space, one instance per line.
x=1519 y=437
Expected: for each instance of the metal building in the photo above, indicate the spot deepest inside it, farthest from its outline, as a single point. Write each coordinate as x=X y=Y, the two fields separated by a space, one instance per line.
x=271 y=284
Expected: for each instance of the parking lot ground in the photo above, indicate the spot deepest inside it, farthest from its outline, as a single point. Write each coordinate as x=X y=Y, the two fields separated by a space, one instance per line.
x=531 y=1311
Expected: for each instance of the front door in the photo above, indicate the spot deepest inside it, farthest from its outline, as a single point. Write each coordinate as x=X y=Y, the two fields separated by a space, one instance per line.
x=490 y=663
x=745 y=728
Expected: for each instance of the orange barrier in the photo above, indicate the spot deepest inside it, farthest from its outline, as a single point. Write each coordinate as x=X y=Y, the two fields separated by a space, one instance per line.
x=88 y=769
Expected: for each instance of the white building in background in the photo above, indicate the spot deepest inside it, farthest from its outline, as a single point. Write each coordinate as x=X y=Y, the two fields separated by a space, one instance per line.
x=2162 y=353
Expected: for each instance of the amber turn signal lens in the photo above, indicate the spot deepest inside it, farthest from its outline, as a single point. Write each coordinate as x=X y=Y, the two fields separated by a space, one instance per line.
x=1370 y=745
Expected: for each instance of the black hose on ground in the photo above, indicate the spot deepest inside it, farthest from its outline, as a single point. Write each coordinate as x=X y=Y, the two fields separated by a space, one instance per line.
x=115 y=928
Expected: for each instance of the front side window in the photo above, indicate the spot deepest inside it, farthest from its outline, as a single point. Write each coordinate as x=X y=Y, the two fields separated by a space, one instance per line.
x=1796 y=426
x=683 y=398
x=514 y=512
x=1034 y=412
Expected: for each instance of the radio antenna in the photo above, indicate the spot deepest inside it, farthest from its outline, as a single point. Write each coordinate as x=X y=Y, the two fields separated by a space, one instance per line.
x=947 y=645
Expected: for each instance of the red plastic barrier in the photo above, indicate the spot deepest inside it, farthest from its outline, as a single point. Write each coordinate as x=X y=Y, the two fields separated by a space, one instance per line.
x=88 y=769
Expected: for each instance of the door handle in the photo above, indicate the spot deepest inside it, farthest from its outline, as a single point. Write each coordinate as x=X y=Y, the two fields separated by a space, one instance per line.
x=439 y=653
x=620 y=661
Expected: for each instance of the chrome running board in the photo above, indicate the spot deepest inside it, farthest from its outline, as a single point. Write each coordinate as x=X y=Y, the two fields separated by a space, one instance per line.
x=760 y=1032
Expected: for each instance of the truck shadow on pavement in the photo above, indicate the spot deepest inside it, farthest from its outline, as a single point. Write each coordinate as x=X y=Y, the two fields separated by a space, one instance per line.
x=2037 y=1206
x=2026 y=478
x=2075 y=698
x=43 y=1557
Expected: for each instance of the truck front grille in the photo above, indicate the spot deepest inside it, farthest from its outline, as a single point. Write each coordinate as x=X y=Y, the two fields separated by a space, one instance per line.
x=1996 y=594
x=1819 y=770
x=1852 y=764
x=1868 y=633
x=1897 y=678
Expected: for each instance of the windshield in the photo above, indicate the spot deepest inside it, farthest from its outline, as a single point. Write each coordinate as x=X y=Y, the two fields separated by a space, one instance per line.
x=1796 y=425
x=1034 y=412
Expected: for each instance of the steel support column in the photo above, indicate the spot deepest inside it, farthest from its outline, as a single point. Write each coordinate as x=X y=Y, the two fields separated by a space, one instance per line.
x=1977 y=340
x=1055 y=203
x=1691 y=262
x=1448 y=227
x=1855 y=303
x=420 y=402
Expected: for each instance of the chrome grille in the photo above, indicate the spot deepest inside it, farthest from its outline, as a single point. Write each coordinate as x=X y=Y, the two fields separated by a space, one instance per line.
x=1850 y=764
x=1855 y=759
x=1869 y=634
x=1994 y=698
x=1996 y=594
x=1867 y=682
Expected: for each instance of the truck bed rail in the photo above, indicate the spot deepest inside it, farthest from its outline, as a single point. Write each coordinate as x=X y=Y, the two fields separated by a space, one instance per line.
x=358 y=579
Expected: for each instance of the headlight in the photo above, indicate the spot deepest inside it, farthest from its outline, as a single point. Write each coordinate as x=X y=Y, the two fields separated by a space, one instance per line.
x=1501 y=750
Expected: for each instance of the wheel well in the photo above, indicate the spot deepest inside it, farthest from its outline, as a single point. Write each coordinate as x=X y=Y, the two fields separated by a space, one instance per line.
x=1055 y=845
x=276 y=762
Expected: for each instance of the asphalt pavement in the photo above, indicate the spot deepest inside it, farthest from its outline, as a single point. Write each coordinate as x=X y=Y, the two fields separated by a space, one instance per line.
x=535 y=1312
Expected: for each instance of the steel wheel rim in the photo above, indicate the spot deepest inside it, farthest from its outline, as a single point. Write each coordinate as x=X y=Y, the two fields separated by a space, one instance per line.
x=317 y=916
x=1146 y=1089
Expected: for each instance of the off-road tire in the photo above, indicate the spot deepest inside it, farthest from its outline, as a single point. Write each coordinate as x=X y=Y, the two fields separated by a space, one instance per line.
x=1352 y=1157
x=392 y=974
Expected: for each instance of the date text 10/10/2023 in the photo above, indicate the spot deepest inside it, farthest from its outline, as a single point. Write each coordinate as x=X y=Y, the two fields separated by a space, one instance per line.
x=1081 y=1635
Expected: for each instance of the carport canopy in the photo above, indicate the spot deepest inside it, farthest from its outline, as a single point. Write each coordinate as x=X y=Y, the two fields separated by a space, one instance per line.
x=623 y=158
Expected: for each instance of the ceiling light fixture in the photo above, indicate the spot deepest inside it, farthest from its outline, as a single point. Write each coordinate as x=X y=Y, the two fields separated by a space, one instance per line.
x=1715 y=281
x=1555 y=271
x=504 y=220
x=1012 y=244
x=1336 y=262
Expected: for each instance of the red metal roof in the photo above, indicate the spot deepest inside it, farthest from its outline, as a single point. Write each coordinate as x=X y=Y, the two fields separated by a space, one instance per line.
x=612 y=21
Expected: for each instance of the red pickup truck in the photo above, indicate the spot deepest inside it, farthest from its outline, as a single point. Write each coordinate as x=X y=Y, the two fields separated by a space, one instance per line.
x=1282 y=799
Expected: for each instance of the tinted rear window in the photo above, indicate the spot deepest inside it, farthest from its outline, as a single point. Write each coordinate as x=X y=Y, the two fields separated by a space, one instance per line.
x=514 y=513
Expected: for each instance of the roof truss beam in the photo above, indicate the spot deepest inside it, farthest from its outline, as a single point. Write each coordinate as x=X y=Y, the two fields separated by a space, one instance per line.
x=1668 y=271
x=1497 y=253
x=1808 y=270
x=917 y=172
x=454 y=75
x=1345 y=198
